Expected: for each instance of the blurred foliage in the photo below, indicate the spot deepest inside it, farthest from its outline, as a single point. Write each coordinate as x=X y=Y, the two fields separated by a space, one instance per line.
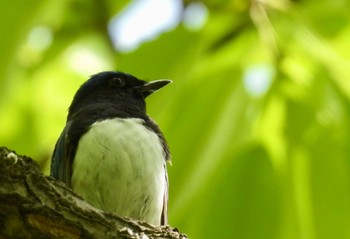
x=257 y=119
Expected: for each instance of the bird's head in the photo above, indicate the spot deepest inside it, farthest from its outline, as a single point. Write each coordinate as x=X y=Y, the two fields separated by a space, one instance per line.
x=117 y=88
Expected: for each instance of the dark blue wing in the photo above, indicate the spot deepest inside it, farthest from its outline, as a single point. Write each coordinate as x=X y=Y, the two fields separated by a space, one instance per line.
x=61 y=161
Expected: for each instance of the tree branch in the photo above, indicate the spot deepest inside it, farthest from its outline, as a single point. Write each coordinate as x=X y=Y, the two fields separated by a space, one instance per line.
x=36 y=206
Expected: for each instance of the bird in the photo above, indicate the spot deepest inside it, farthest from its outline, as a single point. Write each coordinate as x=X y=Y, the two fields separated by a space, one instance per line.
x=110 y=152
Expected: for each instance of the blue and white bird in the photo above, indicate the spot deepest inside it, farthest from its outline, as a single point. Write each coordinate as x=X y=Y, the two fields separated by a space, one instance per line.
x=111 y=152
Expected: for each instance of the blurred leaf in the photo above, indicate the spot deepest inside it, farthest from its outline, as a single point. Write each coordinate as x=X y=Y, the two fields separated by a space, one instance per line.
x=17 y=19
x=273 y=165
x=242 y=199
x=327 y=17
x=168 y=55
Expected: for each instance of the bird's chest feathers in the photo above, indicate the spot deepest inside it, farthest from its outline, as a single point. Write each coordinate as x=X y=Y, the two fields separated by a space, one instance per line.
x=119 y=166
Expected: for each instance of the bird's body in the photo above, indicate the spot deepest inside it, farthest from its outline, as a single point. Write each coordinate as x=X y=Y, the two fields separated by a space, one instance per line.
x=107 y=153
x=111 y=152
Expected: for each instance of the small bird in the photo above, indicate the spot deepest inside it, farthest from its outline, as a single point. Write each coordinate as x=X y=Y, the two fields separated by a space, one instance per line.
x=111 y=152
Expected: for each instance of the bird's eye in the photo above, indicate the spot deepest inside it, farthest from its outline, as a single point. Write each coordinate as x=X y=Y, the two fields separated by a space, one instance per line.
x=116 y=82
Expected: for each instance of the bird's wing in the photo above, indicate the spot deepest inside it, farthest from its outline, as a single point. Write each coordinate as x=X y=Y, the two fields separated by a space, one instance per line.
x=164 y=216
x=61 y=161
x=151 y=124
x=65 y=149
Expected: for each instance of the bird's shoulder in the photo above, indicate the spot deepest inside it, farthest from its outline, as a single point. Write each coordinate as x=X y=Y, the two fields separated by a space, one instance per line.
x=152 y=125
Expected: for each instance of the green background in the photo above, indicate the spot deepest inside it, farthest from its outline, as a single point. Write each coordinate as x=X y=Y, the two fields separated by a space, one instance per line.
x=245 y=166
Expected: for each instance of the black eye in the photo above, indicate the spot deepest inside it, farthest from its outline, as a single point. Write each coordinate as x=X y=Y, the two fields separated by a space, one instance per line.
x=116 y=82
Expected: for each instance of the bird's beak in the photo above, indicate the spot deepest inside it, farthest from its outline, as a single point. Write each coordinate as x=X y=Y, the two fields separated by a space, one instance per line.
x=153 y=86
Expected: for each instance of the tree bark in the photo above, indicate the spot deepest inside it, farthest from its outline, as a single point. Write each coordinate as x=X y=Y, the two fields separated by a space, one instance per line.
x=36 y=206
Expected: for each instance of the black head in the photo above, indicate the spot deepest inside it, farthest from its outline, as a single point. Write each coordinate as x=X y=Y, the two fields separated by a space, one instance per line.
x=114 y=88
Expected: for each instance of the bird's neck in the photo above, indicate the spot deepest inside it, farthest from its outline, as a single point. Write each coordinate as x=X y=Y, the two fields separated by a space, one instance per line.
x=99 y=110
x=109 y=105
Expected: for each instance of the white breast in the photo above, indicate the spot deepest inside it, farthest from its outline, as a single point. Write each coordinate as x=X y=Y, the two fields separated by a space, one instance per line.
x=119 y=167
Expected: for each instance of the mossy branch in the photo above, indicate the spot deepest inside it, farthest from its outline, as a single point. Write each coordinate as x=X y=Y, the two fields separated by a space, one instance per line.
x=36 y=206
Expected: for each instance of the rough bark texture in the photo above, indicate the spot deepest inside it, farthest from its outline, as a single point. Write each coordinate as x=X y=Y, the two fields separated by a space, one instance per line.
x=36 y=206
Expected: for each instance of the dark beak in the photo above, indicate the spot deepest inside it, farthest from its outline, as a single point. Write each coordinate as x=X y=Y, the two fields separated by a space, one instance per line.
x=153 y=86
